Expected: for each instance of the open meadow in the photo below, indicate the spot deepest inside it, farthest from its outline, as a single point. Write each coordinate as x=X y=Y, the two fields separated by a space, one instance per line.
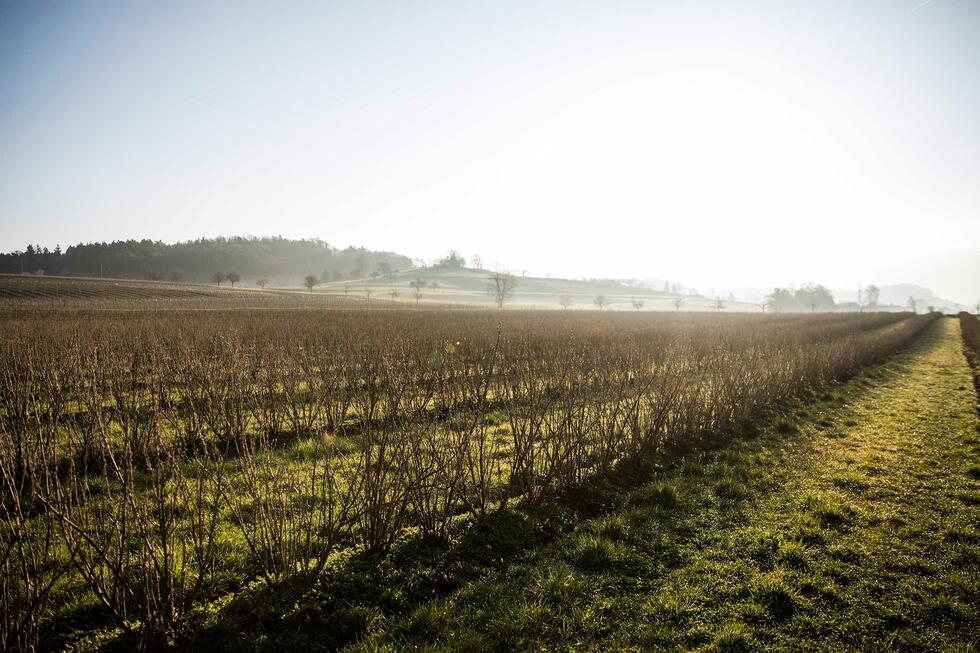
x=242 y=477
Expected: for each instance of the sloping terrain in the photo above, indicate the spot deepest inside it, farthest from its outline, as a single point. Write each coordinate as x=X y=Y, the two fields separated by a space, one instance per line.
x=469 y=286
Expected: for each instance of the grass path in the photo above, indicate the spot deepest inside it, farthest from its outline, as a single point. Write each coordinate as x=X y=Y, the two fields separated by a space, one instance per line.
x=852 y=523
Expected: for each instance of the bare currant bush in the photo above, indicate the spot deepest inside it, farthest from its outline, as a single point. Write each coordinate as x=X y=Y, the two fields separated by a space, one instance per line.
x=156 y=460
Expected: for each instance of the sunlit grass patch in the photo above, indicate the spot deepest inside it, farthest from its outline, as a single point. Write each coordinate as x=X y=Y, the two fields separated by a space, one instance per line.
x=774 y=592
x=732 y=637
x=673 y=605
x=558 y=585
x=945 y=607
x=792 y=554
x=850 y=480
x=613 y=527
x=845 y=553
x=829 y=511
x=962 y=534
x=731 y=481
x=660 y=494
x=428 y=622
x=963 y=554
x=785 y=427
x=596 y=553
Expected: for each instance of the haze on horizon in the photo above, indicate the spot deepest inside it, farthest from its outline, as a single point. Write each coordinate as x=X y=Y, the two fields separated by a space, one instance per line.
x=713 y=144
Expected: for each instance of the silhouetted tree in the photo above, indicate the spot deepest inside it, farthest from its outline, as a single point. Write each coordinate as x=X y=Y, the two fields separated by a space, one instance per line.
x=418 y=285
x=781 y=300
x=262 y=283
x=233 y=278
x=452 y=261
x=814 y=297
x=310 y=282
x=501 y=286
x=601 y=301
x=872 y=293
x=565 y=301
x=218 y=277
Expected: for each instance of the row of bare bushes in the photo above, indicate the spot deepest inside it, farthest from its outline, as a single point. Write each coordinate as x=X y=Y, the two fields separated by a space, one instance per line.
x=970 y=329
x=151 y=463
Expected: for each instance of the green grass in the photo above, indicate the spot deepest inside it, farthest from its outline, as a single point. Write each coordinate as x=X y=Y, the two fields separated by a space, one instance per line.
x=851 y=523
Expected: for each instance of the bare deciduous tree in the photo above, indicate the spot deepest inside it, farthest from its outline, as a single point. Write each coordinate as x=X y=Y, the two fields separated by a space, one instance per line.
x=501 y=286
x=601 y=301
x=871 y=295
x=218 y=277
x=565 y=301
x=417 y=286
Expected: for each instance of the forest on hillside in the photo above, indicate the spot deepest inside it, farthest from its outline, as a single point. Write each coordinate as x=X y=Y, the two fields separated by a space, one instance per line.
x=278 y=259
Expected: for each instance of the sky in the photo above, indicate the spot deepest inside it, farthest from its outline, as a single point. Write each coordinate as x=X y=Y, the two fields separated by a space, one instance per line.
x=717 y=144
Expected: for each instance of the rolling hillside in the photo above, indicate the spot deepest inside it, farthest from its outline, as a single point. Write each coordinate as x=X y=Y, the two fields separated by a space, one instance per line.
x=469 y=286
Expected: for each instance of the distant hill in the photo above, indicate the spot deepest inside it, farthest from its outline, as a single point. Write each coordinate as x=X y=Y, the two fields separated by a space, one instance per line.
x=469 y=286
x=898 y=295
x=280 y=260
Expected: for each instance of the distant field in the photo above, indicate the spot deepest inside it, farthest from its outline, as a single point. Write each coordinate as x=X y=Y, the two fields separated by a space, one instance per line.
x=469 y=287
x=43 y=287
x=20 y=292
x=444 y=288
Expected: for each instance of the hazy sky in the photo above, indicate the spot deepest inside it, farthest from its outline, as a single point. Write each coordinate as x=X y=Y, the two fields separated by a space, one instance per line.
x=715 y=143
